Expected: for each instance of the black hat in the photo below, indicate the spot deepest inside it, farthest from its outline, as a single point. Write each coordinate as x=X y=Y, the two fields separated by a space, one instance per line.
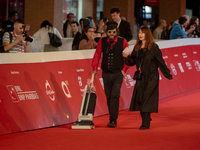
x=111 y=25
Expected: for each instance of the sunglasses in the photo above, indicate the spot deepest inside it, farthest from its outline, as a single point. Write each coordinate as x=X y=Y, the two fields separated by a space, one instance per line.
x=114 y=31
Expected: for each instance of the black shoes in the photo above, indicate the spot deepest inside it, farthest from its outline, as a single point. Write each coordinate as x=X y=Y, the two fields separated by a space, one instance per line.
x=143 y=128
x=112 y=124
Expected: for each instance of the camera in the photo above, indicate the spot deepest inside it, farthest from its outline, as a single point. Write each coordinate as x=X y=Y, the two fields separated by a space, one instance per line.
x=27 y=38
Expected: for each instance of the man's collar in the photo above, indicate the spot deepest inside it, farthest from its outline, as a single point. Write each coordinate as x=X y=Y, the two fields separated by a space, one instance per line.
x=115 y=40
x=119 y=23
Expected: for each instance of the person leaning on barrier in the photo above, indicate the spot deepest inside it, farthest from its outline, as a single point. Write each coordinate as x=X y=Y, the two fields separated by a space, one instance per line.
x=18 y=44
x=166 y=32
x=147 y=57
x=77 y=34
x=87 y=39
x=194 y=21
x=157 y=32
x=177 y=29
x=113 y=68
x=43 y=35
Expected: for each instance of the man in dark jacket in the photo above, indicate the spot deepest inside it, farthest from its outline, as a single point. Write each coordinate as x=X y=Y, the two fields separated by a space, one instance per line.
x=77 y=34
x=67 y=31
x=124 y=26
x=113 y=67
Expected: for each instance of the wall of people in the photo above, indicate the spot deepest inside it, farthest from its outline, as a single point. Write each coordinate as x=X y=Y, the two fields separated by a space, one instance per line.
x=85 y=33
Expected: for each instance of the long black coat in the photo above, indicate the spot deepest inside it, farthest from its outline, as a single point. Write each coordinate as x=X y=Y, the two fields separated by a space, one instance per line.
x=145 y=94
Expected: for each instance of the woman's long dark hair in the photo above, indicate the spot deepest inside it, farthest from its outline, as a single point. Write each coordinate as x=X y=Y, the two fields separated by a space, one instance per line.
x=192 y=22
x=148 y=37
x=45 y=24
x=83 y=35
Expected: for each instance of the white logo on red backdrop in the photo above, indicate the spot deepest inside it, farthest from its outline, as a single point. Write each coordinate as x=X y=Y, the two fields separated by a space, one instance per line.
x=197 y=65
x=173 y=69
x=181 y=67
x=49 y=91
x=80 y=81
x=66 y=89
x=12 y=93
x=101 y=81
x=184 y=55
x=129 y=82
x=18 y=95
x=188 y=65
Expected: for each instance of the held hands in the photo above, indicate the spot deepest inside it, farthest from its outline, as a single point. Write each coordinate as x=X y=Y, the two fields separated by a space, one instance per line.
x=126 y=52
x=124 y=55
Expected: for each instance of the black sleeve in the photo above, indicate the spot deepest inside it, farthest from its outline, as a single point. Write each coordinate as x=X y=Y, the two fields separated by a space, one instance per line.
x=4 y=26
x=131 y=60
x=161 y=63
x=64 y=29
x=128 y=32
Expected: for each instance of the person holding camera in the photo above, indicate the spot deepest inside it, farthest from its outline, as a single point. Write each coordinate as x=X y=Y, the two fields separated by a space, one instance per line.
x=18 y=43
x=147 y=57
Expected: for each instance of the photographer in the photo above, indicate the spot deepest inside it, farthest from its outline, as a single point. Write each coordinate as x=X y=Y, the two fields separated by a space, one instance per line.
x=18 y=44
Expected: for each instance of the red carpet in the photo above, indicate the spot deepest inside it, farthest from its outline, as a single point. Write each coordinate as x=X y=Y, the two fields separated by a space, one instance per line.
x=175 y=127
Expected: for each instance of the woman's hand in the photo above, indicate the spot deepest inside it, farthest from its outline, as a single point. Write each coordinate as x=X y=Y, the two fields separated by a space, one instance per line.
x=124 y=55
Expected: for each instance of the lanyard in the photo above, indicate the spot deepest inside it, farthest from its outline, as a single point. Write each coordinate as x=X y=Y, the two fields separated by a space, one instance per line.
x=20 y=45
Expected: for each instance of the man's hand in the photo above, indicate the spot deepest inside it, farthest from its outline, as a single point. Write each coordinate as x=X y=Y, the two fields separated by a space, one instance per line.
x=21 y=38
x=123 y=72
x=94 y=72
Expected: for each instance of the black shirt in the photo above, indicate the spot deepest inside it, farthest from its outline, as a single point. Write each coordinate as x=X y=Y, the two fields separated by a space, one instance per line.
x=8 y=25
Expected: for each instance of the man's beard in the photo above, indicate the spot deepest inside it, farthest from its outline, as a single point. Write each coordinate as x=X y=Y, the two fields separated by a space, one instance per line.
x=111 y=39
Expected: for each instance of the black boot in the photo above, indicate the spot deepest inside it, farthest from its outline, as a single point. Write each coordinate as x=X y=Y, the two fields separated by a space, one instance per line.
x=145 y=120
x=112 y=124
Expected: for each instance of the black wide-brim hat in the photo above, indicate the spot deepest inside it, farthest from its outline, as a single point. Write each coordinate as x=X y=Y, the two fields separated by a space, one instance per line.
x=111 y=25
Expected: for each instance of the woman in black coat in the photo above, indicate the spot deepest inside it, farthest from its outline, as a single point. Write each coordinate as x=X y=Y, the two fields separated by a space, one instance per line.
x=147 y=56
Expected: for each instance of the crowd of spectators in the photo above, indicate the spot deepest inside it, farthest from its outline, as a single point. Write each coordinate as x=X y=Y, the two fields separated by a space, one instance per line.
x=181 y=28
x=86 y=33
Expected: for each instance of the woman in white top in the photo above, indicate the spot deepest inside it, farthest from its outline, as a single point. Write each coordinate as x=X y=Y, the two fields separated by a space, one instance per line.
x=42 y=34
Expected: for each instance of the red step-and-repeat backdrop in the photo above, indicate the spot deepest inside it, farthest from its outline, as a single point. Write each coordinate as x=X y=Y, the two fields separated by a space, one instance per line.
x=42 y=94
